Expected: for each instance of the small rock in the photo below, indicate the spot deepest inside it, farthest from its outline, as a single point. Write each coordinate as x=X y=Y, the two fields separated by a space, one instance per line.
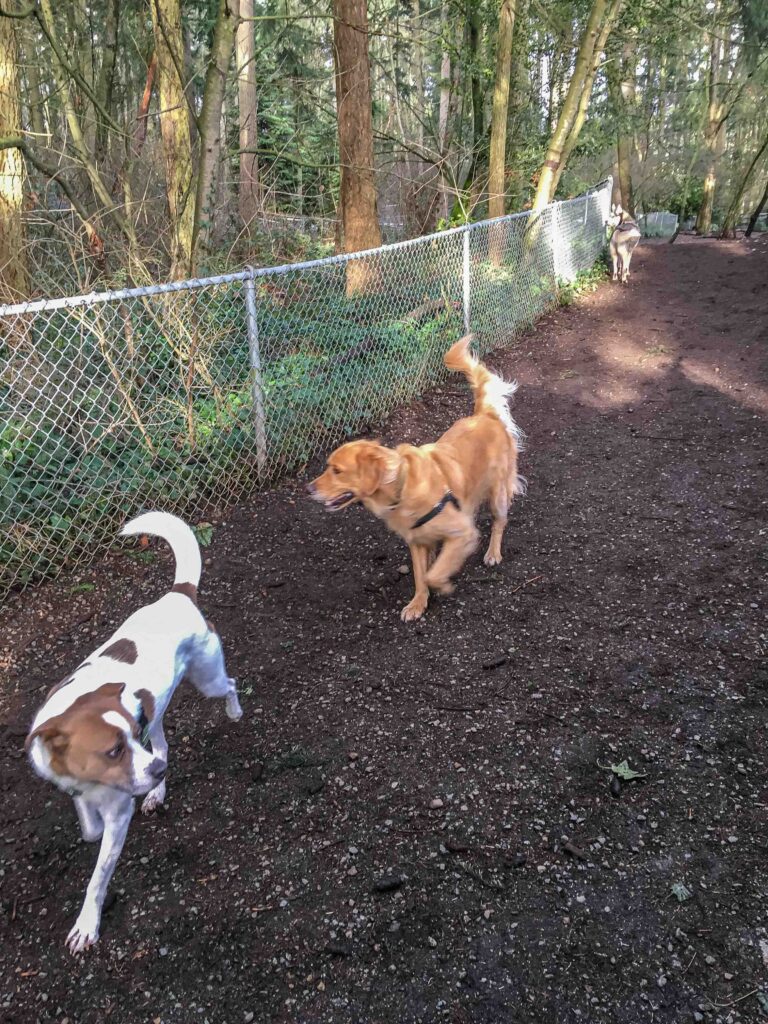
x=436 y=804
x=387 y=883
x=403 y=570
x=456 y=846
x=248 y=1017
x=661 y=981
x=353 y=755
x=432 y=942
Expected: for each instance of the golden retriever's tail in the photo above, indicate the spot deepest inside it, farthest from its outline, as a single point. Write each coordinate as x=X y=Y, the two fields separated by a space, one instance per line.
x=491 y=393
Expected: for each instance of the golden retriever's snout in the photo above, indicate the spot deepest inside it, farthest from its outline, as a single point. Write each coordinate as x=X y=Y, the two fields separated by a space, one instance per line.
x=331 y=503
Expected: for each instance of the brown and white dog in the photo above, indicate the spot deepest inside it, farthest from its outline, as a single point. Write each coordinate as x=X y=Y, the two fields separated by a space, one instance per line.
x=430 y=495
x=626 y=235
x=86 y=738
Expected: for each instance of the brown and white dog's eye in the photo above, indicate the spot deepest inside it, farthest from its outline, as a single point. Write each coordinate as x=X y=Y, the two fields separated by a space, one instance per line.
x=116 y=751
x=335 y=470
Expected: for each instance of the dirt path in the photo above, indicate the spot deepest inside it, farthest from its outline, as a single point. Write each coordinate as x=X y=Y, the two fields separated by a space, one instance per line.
x=458 y=757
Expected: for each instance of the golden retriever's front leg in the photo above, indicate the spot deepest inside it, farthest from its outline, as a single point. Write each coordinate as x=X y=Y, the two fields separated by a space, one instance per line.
x=453 y=554
x=417 y=606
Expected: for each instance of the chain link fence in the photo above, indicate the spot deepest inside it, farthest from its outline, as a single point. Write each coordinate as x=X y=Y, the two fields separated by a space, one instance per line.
x=660 y=224
x=190 y=395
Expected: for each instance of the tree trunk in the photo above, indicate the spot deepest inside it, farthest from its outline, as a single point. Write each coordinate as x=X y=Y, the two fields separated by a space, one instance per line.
x=756 y=212
x=714 y=131
x=107 y=74
x=359 y=217
x=586 y=92
x=498 y=148
x=80 y=142
x=732 y=216
x=442 y=121
x=553 y=163
x=14 y=278
x=621 y=95
x=475 y=26
x=174 y=131
x=249 y=196
x=30 y=60
x=210 y=125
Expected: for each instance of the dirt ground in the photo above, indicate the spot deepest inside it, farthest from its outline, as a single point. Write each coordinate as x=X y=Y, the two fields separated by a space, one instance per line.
x=419 y=823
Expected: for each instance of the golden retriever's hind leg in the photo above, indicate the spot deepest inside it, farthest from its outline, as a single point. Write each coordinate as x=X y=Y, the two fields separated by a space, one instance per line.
x=454 y=553
x=499 y=510
x=418 y=604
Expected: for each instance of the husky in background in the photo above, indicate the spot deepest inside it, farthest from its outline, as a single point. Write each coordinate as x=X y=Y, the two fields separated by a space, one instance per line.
x=626 y=235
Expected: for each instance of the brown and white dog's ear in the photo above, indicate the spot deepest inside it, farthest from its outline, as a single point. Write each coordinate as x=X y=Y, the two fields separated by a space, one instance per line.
x=147 y=701
x=50 y=733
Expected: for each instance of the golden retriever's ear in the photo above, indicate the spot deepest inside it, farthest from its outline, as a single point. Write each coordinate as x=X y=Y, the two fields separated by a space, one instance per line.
x=371 y=466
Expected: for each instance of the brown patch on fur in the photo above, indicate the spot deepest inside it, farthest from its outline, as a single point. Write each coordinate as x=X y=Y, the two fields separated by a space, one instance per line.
x=147 y=702
x=121 y=650
x=80 y=741
x=187 y=589
x=59 y=686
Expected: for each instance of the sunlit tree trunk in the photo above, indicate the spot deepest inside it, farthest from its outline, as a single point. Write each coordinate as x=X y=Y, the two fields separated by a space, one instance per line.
x=574 y=109
x=498 y=148
x=714 y=131
x=14 y=278
x=359 y=217
x=621 y=92
x=586 y=92
x=249 y=196
x=444 y=126
x=174 y=131
x=210 y=125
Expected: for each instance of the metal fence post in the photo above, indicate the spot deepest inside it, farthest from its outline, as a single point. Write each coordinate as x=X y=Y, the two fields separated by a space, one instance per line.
x=254 y=359
x=555 y=242
x=467 y=294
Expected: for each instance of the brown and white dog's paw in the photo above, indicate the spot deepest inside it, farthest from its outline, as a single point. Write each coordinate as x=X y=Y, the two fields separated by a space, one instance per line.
x=414 y=609
x=492 y=558
x=84 y=934
x=232 y=706
x=154 y=799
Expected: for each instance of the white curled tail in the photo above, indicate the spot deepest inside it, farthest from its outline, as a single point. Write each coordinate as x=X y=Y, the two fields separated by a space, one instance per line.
x=177 y=535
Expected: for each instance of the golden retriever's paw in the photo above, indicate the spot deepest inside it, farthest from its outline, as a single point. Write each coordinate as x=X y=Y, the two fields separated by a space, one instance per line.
x=413 y=610
x=492 y=558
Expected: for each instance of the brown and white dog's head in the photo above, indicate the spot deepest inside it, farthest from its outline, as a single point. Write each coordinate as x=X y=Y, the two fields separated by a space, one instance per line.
x=95 y=742
x=355 y=472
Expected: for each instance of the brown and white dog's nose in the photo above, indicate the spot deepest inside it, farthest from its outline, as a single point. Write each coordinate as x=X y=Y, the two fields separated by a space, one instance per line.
x=311 y=488
x=157 y=769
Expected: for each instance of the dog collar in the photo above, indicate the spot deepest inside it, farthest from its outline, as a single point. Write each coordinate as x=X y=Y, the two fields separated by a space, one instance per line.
x=447 y=499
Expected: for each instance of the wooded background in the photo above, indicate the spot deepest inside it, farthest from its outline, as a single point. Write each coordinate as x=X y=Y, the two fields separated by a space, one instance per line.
x=142 y=140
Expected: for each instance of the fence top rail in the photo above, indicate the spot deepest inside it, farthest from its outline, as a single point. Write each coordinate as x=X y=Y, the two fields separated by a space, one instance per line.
x=250 y=273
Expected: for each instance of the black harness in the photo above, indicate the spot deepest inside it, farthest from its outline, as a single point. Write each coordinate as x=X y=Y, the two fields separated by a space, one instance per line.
x=447 y=499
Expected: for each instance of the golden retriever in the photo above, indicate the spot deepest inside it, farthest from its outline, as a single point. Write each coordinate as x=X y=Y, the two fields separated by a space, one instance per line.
x=430 y=495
